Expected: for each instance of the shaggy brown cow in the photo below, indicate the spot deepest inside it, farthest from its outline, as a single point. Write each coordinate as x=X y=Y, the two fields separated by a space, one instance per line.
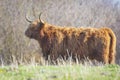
x=94 y=43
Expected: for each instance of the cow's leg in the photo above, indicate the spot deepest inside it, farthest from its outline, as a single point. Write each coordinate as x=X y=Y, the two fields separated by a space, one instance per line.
x=105 y=58
x=105 y=54
x=111 y=59
x=54 y=56
x=101 y=56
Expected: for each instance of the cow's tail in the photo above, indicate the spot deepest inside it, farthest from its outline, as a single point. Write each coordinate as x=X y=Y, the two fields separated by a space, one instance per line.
x=112 y=47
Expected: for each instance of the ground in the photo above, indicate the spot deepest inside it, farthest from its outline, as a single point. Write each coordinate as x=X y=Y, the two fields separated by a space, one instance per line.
x=60 y=72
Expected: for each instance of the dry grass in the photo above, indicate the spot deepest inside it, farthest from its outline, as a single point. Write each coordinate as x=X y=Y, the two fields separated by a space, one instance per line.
x=66 y=71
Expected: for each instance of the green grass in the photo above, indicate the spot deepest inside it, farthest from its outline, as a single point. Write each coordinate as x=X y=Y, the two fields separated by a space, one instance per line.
x=60 y=72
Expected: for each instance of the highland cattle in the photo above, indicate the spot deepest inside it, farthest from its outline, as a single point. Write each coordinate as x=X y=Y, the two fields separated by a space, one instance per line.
x=93 y=43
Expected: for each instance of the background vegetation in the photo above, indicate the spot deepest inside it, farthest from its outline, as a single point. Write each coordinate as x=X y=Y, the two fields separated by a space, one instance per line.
x=16 y=48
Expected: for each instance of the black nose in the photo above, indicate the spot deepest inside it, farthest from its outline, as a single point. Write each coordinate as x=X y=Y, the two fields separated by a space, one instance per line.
x=26 y=33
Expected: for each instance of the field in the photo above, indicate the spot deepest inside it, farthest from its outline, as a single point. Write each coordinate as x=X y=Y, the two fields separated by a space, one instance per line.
x=74 y=13
x=60 y=72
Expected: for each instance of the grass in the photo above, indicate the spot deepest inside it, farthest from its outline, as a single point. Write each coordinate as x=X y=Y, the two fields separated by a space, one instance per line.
x=60 y=72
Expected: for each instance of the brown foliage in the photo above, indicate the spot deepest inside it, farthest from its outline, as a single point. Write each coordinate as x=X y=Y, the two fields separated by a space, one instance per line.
x=93 y=43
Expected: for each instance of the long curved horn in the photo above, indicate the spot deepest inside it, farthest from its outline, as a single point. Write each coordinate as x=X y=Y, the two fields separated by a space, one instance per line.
x=27 y=19
x=40 y=16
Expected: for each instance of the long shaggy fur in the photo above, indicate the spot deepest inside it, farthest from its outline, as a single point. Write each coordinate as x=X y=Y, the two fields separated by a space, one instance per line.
x=93 y=43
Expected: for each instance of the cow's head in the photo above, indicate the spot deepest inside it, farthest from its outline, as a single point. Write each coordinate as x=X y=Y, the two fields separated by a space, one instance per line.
x=34 y=28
